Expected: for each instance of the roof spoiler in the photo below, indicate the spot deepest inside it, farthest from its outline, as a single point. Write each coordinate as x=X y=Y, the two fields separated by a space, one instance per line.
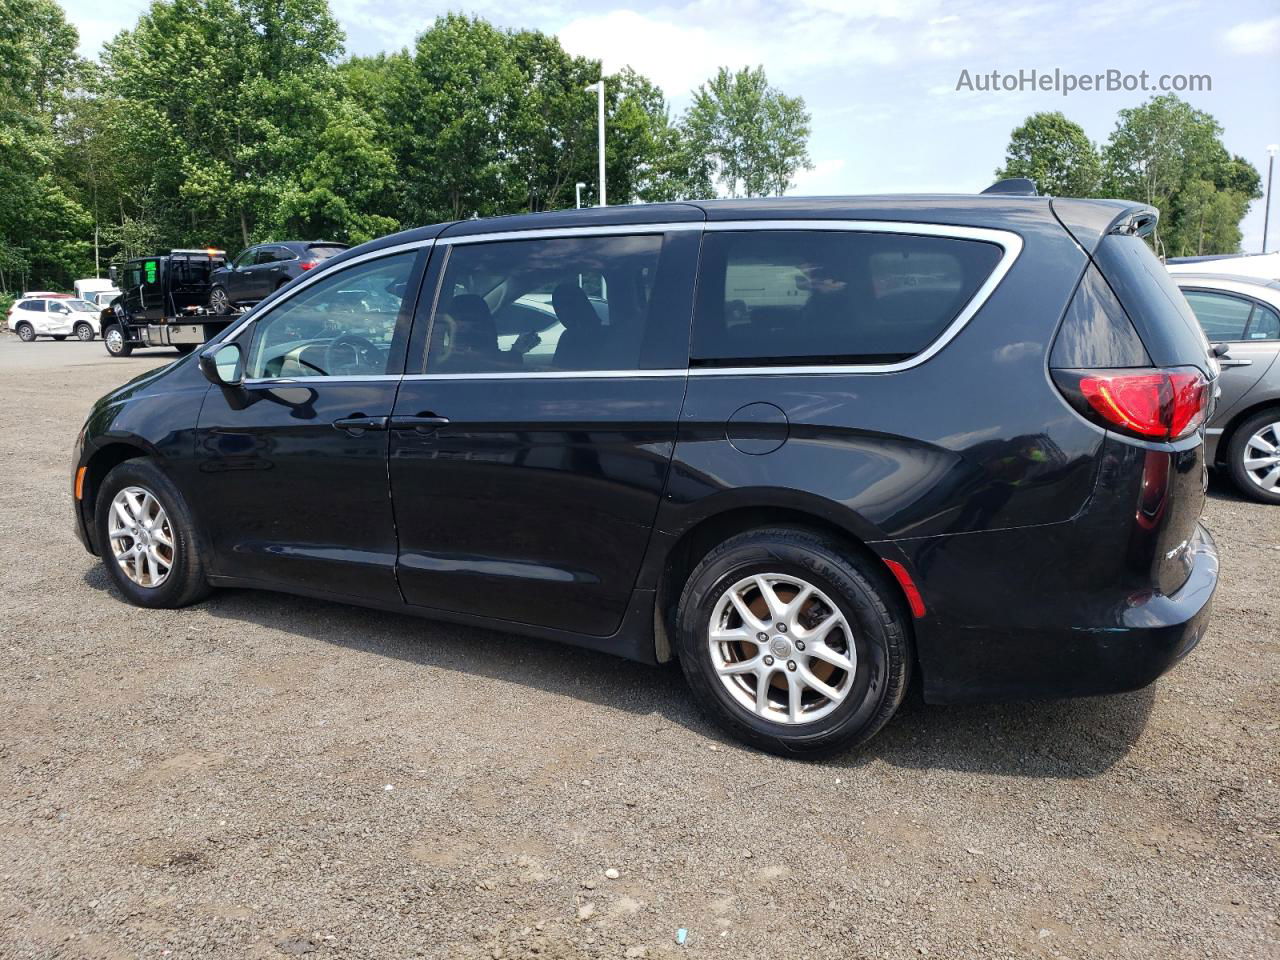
x=1014 y=187
x=1136 y=223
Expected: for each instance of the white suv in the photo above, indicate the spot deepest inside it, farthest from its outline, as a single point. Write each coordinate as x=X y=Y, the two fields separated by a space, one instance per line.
x=54 y=316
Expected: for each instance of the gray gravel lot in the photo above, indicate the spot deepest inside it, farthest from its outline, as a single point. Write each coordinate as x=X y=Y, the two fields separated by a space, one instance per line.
x=265 y=776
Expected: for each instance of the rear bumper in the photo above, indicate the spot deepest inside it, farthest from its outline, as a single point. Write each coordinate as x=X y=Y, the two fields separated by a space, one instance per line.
x=1076 y=647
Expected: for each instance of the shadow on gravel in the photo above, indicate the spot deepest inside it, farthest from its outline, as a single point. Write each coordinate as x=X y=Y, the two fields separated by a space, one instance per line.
x=1065 y=739
x=1222 y=487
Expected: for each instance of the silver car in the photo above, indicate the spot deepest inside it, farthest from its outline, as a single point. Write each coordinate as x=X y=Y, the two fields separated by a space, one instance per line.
x=1241 y=318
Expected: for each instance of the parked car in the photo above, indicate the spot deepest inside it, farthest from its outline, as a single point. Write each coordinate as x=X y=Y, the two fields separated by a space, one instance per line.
x=259 y=271
x=1259 y=266
x=57 y=316
x=1241 y=317
x=806 y=447
x=96 y=290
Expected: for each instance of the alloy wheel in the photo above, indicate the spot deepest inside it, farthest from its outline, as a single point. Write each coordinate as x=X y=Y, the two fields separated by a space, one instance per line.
x=782 y=648
x=25 y=333
x=1262 y=457
x=218 y=301
x=84 y=332
x=115 y=339
x=141 y=537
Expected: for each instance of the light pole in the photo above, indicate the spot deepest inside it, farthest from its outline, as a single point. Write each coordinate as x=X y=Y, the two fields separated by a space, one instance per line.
x=577 y=193
x=598 y=87
x=1266 y=208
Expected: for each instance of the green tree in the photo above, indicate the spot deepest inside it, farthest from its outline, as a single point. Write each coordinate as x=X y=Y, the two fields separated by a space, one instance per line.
x=1170 y=155
x=42 y=227
x=753 y=137
x=1055 y=153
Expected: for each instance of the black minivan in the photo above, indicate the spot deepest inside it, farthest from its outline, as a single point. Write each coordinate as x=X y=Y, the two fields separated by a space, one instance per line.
x=809 y=447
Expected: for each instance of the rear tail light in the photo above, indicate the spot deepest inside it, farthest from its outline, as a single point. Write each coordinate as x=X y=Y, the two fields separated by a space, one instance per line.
x=308 y=264
x=1151 y=404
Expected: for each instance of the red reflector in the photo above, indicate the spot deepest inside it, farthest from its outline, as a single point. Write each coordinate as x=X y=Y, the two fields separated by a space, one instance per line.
x=1158 y=405
x=914 y=600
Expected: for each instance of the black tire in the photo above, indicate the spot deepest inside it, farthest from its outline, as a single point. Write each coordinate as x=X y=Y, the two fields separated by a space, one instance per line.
x=186 y=582
x=219 y=302
x=184 y=348
x=59 y=336
x=26 y=333
x=117 y=346
x=1237 y=449
x=84 y=332
x=865 y=596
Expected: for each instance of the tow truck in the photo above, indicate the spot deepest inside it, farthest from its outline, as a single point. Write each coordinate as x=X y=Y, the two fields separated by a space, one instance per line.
x=164 y=302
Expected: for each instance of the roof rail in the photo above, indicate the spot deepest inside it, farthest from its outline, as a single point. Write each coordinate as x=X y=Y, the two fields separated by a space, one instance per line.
x=1014 y=187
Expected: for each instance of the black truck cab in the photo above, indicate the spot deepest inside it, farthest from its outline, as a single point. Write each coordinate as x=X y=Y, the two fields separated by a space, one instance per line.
x=164 y=301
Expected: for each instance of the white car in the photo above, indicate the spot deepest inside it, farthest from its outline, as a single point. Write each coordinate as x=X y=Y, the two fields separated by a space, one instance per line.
x=54 y=316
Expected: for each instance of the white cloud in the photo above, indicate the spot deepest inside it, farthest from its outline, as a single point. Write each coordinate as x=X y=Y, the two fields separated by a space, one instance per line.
x=1255 y=36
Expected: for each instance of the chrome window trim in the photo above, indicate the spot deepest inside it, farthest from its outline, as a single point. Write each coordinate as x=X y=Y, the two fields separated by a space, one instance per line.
x=553 y=233
x=552 y=375
x=1007 y=240
x=302 y=283
x=303 y=381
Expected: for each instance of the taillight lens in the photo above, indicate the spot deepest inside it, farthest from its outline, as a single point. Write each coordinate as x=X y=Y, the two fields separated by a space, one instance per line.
x=1151 y=404
x=308 y=264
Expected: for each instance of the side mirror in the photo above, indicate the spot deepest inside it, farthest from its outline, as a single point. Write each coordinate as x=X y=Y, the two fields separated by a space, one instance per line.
x=222 y=365
x=1221 y=349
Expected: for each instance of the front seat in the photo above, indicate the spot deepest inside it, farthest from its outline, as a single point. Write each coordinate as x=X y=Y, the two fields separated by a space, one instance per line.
x=582 y=342
x=474 y=348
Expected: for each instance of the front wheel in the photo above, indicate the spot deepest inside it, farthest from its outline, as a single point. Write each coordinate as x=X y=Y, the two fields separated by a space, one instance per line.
x=793 y=643
x=26 y=333
x=113 y=339
x=147 y=538
x=84 y=332
x=1254 y=457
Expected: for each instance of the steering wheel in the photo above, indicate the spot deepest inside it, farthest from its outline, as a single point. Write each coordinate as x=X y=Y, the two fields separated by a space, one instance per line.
x=362 y=354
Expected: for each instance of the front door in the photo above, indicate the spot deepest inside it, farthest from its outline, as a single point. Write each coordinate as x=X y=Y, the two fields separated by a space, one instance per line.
x=293 y=465
x=529 y=459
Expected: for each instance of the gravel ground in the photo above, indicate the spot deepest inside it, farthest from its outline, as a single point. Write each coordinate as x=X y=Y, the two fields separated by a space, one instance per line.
x=265 y=776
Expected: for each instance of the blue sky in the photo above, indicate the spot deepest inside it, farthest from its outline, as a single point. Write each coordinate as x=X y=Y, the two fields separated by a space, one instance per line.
x=880 y=76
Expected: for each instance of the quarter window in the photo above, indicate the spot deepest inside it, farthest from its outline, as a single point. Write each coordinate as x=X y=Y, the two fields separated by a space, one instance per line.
x=777 y=296
x=572 y=303
x=1264 y=324
x=342 y=325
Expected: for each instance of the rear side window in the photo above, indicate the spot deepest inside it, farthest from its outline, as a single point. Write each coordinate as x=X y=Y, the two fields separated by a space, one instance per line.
x=320 y=251
x=36 y=305
x=551 y=305
x=786 y=296
x=1263 y=325
x=1221 y=317
x=1159 y=311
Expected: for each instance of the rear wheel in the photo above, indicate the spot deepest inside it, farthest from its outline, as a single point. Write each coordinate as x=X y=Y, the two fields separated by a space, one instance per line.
x=114 y=340
x=26 y=333
x=147 y=537
x=1254 y=456
x=219 y=302
x=792 y=643
x=84 y=332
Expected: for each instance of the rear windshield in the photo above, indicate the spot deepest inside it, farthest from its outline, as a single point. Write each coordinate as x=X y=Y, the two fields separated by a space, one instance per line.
x=324 y=251
x=1154 y=303
x=786 y=296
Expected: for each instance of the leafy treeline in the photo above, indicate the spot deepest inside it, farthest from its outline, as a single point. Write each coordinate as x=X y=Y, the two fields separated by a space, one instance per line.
x=1164 y=153
x=227 y=122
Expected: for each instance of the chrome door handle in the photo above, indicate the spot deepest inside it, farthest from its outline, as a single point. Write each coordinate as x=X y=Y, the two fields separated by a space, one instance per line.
x=1224 y=362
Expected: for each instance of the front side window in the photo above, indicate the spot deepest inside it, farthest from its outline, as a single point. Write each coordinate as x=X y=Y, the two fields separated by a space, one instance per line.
x=1223 y=318
x=246 y=258
x=563 y=304
x=341 y=325
x=777 y=296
